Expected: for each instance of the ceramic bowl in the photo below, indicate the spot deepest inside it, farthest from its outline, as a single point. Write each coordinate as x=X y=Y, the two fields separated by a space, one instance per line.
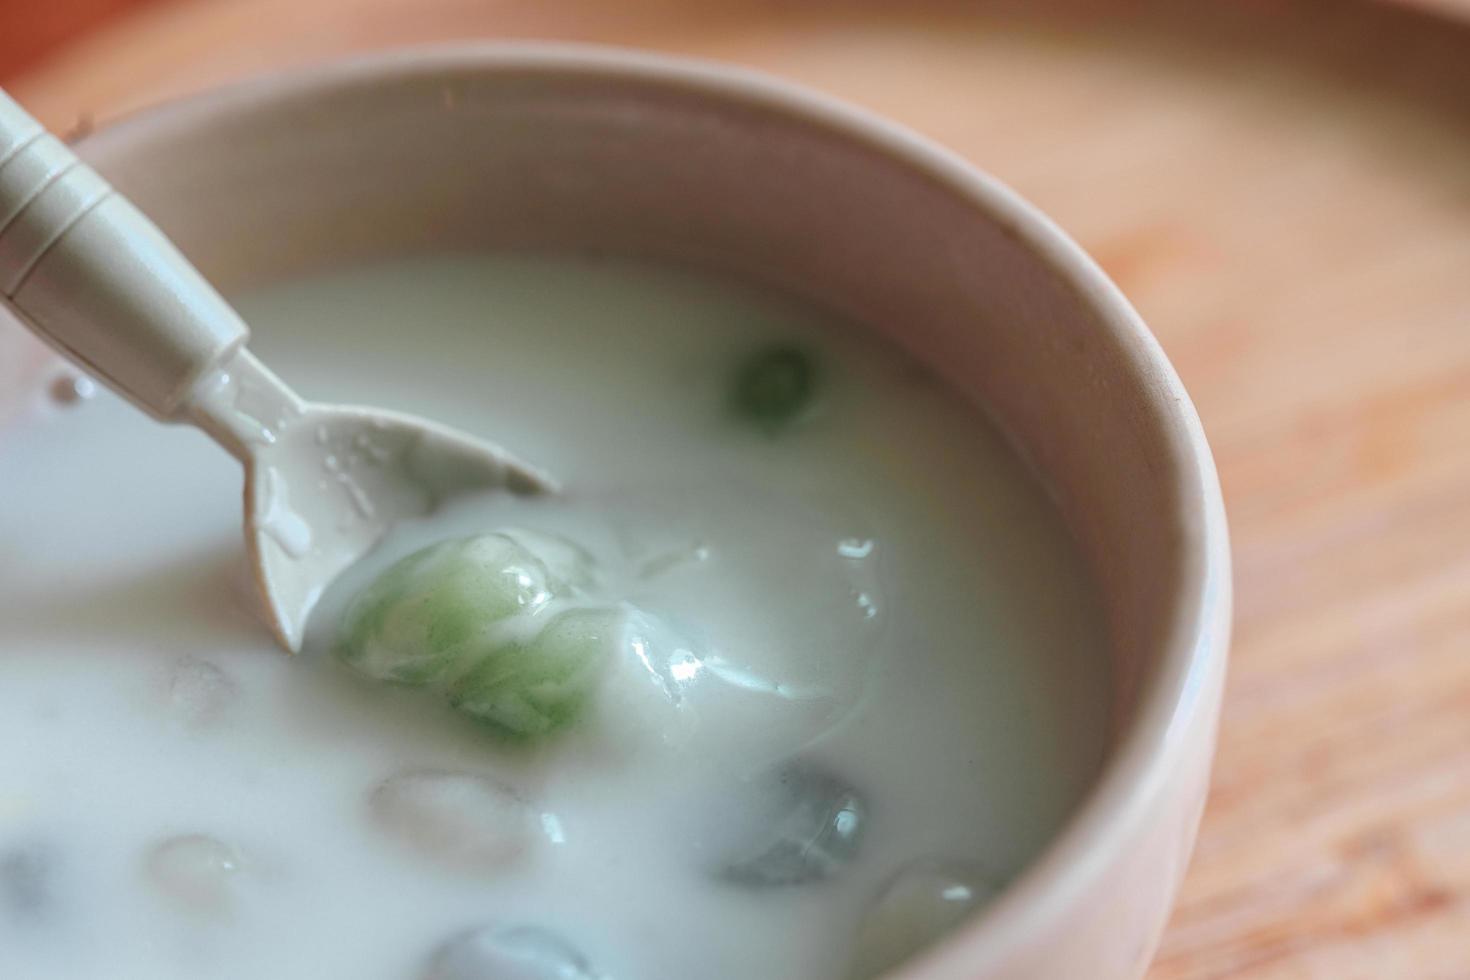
x=550 y=147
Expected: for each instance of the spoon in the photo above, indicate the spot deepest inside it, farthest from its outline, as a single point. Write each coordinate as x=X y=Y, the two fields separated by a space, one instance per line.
x=86 y=271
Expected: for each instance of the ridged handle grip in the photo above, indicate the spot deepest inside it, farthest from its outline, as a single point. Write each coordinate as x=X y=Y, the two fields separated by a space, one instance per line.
x=96 y=279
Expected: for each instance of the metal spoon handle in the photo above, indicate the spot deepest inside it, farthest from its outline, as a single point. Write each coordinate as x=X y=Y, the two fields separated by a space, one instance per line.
x=85 y=270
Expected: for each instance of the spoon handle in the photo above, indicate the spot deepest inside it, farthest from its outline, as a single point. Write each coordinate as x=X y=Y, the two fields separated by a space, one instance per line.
x=85 y=270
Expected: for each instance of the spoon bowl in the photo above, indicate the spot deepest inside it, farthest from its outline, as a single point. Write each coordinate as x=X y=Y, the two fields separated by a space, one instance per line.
x=335 y=482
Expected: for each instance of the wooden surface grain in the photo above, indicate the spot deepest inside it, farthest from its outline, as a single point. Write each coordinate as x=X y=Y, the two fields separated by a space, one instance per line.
x=1284 y=191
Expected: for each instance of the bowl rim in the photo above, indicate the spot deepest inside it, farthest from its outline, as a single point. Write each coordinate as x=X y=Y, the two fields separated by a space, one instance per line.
x=1184 y=687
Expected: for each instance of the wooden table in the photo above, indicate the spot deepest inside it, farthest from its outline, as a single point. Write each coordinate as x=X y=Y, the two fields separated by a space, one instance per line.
x=1284 y=190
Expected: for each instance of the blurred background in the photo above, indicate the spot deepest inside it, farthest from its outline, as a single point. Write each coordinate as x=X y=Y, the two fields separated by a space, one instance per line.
x=1283 y=188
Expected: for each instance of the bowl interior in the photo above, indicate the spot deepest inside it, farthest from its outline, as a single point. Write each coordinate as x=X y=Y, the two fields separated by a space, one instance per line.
x=742 y=179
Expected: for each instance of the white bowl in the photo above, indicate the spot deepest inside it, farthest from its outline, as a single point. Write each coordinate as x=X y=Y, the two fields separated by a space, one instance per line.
x=502 y=146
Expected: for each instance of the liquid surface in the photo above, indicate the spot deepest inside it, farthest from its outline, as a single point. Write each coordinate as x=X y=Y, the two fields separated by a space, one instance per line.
x=178 y=799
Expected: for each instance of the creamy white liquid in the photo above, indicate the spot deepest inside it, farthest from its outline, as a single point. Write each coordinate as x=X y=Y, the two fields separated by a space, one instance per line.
x=179 y=799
